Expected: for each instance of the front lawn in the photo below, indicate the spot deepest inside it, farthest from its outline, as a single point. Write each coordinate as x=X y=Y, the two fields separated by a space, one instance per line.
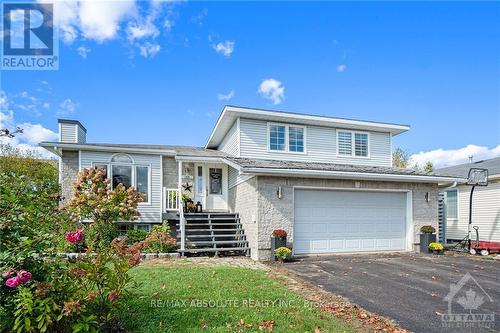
x=192 y=298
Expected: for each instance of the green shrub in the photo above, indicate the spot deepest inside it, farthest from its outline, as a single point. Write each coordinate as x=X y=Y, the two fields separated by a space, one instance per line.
x=283 y=253
x=135 y=235
x=427 y=229
x=159 y=240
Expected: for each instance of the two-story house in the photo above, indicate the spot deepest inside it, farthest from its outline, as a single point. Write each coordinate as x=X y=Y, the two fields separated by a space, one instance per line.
x=329 y=182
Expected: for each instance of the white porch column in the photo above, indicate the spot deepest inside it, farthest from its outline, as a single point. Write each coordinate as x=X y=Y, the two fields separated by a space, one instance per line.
x=182 y=221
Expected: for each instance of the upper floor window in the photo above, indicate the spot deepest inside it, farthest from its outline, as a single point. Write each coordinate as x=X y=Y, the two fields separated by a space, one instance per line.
x=352 y=144
x=286 y=138
x=451 y=204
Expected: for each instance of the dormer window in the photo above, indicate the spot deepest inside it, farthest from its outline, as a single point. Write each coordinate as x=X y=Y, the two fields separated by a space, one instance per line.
x=286 y=138
x=354 y=144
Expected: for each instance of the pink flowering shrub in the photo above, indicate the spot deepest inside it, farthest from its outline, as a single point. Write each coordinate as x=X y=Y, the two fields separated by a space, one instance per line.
x=43 y=292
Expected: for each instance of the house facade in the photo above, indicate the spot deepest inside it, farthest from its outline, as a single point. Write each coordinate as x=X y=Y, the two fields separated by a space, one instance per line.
x=486 y=203
x=329 y=182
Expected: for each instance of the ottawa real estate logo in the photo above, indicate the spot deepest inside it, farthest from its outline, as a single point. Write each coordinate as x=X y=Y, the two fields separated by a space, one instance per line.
x=467 y=301
x=29 y=40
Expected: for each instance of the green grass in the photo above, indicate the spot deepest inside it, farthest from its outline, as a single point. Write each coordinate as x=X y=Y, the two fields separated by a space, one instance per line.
x=156 y=305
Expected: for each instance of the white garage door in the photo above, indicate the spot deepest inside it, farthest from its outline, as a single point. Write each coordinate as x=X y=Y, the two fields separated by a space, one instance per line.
x=349 y=221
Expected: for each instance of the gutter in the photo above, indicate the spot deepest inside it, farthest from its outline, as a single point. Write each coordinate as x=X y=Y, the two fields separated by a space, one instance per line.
x=349 y=175
x=54 y=147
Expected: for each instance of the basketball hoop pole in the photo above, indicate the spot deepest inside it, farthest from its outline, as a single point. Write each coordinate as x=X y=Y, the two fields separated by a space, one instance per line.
x=469 y=228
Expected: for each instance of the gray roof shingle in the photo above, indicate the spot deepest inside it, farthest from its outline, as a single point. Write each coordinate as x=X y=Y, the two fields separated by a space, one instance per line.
x=462 y=170
x=246 y=163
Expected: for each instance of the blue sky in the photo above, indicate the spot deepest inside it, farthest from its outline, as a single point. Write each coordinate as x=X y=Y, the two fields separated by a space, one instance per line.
x=161 y=73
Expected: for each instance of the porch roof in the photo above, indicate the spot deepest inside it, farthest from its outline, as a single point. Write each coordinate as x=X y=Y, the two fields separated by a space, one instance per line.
x=263 y=166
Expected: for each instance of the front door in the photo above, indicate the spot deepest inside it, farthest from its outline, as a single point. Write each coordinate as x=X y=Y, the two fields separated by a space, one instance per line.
x=211 y=186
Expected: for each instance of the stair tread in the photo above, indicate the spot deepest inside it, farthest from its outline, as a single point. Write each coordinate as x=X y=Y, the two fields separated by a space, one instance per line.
x=207 y=224
x=211 y=249
x=216 y=242
x=216 y=236
x=193 y=230
x=211 y=218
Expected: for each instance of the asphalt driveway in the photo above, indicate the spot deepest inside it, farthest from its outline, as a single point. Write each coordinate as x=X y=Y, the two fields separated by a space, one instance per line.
x=410 y=288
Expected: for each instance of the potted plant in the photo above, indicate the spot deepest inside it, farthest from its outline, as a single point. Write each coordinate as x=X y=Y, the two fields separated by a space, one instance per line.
x=186 y=200
x=436 y=248
x=279 y=238
x=427 y=236
x=283 y=254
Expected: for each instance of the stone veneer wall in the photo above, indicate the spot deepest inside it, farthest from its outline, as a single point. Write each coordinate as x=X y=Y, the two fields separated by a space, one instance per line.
x=274 y=213
x=243 y=199
x=69 y=172
x=170 y=173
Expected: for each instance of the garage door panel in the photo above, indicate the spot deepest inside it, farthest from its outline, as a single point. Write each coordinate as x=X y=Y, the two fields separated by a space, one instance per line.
x=349 y=221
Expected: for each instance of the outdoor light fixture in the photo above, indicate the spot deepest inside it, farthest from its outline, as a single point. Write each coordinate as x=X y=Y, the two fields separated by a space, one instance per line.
x=280 y=195
x=427 y=197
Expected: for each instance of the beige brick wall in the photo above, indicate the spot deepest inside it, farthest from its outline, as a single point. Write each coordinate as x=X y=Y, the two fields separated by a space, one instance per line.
x=243 y=199
x=274 y=213
x=69 y=173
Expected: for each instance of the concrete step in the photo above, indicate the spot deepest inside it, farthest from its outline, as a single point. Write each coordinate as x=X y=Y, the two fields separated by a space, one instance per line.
x=210 y=249
x=211 y=242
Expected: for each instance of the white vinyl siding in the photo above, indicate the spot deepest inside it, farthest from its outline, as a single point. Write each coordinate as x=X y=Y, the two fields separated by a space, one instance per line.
x=320 y=145
x=234 y=177
x=486 y=213
x=151 y=211
x=81 y=135
x=68 y=133
x=231 y=142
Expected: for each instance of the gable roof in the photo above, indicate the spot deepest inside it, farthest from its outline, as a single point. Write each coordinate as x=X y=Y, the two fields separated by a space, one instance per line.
x=230 y=113
x=462 y=170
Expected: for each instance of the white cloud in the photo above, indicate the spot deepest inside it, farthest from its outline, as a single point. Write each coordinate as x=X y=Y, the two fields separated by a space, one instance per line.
x=273 y=90
x=100 y=20
x=46 y=105
x=136 y=30
x=442 y=158
x=4 y=102
x=67 y=107
x=225 y=48
x=168 y=24
x=149 y=50
x=83 y=51
x=341 y=68
x=32 y=134
x=226 y=97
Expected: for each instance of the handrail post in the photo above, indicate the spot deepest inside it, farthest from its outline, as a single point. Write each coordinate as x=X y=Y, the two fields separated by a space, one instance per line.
x=182 y=221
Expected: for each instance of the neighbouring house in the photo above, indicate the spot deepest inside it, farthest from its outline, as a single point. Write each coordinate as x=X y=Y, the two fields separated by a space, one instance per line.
x=485 y=205
x=329 y=182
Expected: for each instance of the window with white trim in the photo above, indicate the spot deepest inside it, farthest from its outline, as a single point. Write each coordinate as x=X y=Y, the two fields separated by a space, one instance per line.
x=122 y=170
x=452 y=205
x=286 y=138
x=352 y=144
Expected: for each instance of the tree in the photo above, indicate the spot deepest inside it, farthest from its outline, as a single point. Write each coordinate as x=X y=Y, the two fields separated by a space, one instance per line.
x=428 y=167
x=400 y=158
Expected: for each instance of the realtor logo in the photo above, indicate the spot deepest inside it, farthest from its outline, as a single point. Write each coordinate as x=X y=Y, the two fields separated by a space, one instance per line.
x=470 y=296
x=29 y=41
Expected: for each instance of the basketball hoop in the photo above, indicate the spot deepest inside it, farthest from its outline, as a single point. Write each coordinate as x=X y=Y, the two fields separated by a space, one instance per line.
x=477 y=177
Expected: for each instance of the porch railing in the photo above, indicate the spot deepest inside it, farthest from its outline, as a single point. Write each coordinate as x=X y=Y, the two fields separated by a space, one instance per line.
x=172 y=199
